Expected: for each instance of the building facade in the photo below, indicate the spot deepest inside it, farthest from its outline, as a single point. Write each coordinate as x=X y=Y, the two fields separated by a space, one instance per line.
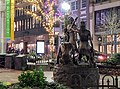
x=2 y=27
x=92 y=12
x=28 y=29
x=78 y=8
x=101 y=13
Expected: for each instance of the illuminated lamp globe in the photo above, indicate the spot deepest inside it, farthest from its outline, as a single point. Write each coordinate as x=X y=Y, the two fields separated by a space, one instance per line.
x=65 y=6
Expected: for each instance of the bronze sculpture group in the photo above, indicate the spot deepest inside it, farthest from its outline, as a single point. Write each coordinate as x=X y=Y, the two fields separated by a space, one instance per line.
x=76 y=52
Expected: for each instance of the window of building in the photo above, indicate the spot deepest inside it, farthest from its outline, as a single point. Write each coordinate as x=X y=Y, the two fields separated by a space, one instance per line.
x=97 y=18
x=17 y=26
x=21 y=12
x=102 y=16
x=18 y=12
x=15 y=13
x=83 y=3
x=109 y=38
x=37 y=23
x=118 y=14
x=77 y=5
x=101 y=48
x=73 y=6
x=118 y=38
x=30 y=23
x=104 y=0
x=34 y=8
x=33 y=23
x=25 y=24
x=40 y=21
x=98 y=1
x=118 y=48
x=20 y=28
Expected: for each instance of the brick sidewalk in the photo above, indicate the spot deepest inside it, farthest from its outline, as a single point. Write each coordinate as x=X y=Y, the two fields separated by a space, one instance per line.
x=9 y=75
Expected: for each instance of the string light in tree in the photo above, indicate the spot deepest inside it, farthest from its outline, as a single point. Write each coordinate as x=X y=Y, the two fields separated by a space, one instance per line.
x=46 y=9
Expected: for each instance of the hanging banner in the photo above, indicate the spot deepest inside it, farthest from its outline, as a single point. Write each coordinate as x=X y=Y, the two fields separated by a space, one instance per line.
x=12 y=21
x=7 y=19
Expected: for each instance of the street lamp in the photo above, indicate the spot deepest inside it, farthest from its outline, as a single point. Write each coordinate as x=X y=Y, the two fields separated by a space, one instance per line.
x=65 y=6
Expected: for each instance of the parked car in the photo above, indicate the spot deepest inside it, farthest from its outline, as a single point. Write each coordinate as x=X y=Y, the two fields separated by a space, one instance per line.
x=101 y=57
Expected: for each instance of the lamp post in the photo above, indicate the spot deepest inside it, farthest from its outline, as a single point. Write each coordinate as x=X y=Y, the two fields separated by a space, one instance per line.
x=64 y=7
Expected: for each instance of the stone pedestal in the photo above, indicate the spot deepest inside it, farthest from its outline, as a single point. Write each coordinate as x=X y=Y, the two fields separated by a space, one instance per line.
x=76 y=77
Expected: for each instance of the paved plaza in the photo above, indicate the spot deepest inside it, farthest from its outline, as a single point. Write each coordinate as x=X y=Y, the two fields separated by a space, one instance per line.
x=10 y=75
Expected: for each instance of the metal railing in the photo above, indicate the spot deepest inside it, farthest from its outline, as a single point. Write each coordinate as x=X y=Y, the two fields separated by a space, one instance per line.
x=108 y=82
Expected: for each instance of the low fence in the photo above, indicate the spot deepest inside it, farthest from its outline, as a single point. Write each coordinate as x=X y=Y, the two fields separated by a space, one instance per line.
x=112 y=70
x=106 y=82
x=109 y=81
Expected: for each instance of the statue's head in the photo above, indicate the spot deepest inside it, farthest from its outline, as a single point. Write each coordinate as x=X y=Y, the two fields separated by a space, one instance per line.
x=82 y=24
x=70 y=20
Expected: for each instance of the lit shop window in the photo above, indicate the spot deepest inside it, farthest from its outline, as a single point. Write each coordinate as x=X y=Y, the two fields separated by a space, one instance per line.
x=17 y=26
x=118 y=48
x=101 y=48
x=118 y=37
x=109 y=38
x=110 y=49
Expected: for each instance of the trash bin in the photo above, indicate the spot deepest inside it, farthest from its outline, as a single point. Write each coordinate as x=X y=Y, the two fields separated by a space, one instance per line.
x=9 y=61
x=2 y=60
x=20 y=62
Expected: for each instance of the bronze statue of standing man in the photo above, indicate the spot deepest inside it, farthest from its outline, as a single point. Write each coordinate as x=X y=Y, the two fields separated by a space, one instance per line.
x=85 y=45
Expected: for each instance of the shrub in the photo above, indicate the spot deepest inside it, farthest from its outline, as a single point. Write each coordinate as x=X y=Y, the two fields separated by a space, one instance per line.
x=33 y=78
x=114 y=60
x=54 y=85
x=2 y=86
x=15 y=86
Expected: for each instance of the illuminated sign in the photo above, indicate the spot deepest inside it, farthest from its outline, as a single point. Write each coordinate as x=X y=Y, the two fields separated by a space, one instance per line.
x=12 y=20
x=7 y=19
x=40 y=47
